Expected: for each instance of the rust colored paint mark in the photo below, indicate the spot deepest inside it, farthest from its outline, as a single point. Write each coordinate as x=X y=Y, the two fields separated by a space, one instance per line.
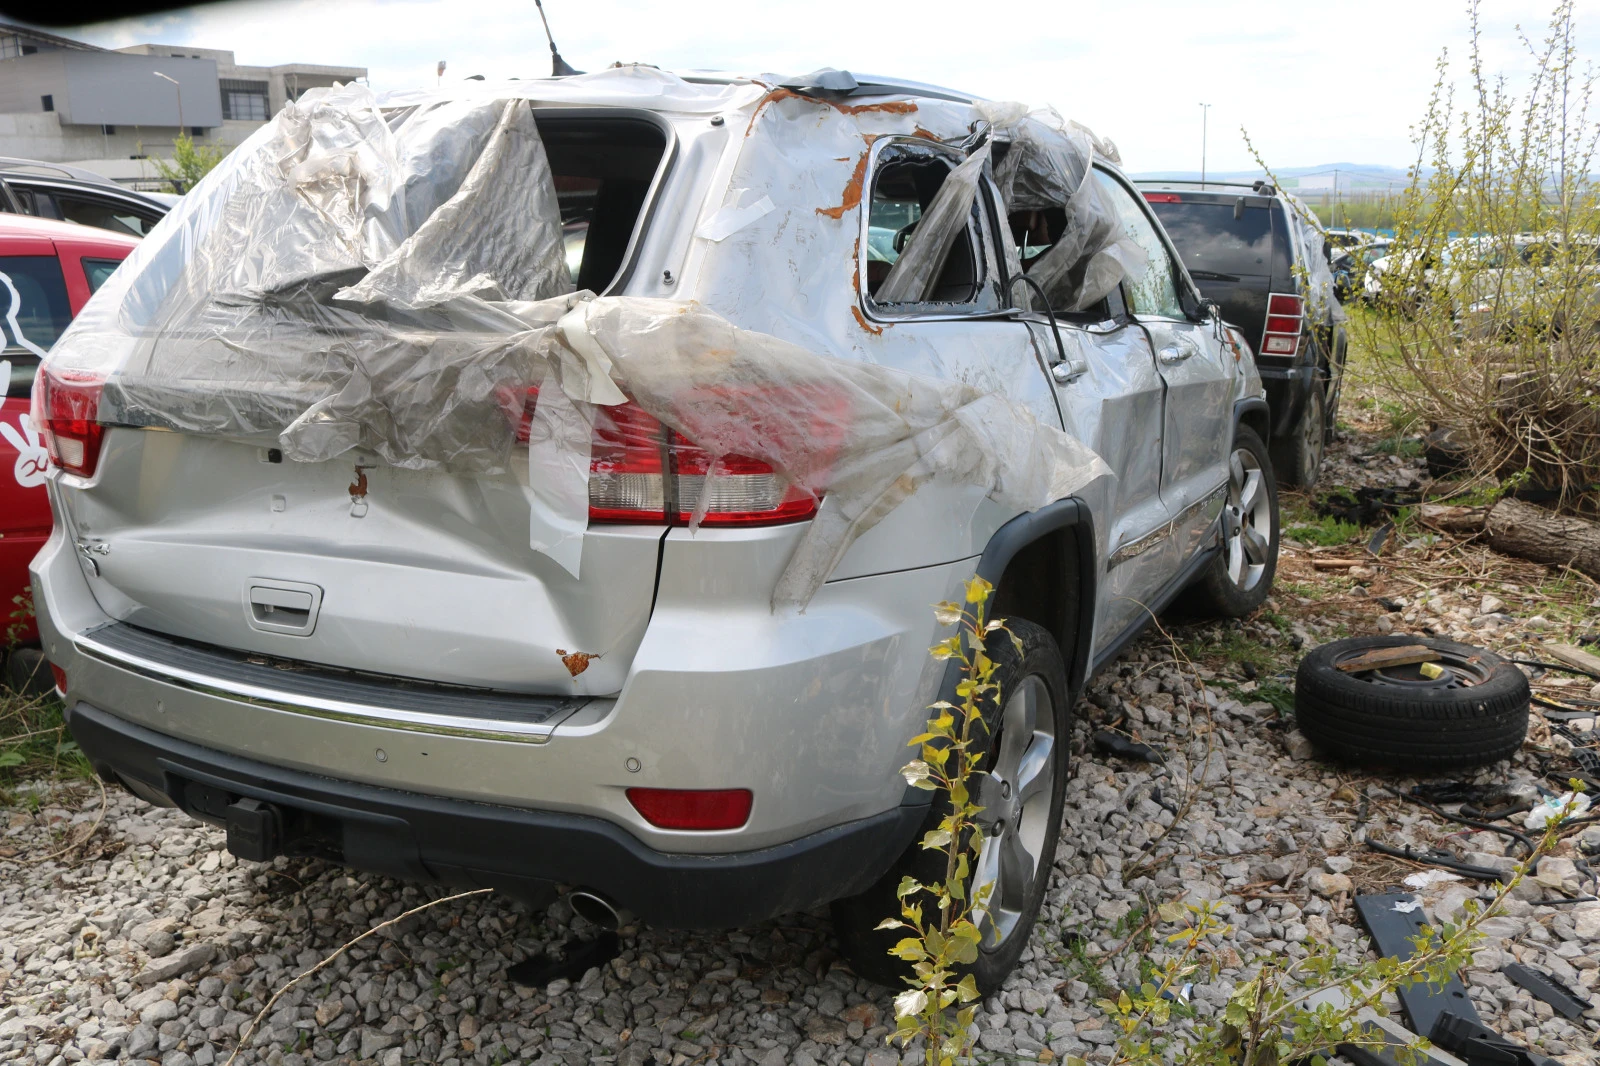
x=359 y=488
x=861 y=320
x=855 y=272
x=927 y=135
x=852 y=191
x=887 y=107
x=576 y=662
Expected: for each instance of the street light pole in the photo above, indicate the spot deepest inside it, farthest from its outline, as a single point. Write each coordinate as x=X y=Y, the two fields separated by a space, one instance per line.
x=1205 y=111
x=178 y=91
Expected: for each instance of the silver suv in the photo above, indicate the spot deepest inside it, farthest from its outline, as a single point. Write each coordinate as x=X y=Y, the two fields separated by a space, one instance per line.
x=312 y=577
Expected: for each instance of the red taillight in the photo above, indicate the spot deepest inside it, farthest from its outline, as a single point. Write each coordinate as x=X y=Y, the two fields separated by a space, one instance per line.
x=677 y=808
x=66 y=406
x=1285 y=321
x=628 y=483
x=61 y=678
x=1163 y=198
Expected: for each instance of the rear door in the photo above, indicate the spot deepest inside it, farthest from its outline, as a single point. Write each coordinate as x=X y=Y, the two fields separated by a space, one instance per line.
x=34 y=309
x=1198 y=413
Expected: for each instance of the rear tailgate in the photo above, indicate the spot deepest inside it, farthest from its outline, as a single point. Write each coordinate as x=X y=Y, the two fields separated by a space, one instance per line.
x=1234 y=246
x=348 y=563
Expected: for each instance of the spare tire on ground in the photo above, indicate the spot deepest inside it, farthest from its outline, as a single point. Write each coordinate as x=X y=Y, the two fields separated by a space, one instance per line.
x=1475 y=711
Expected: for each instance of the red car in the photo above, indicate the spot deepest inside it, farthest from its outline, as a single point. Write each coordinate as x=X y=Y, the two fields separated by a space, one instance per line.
x=48 y=270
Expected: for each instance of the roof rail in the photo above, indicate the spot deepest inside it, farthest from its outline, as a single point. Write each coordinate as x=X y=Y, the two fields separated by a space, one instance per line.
x=14 y=165
x=1186 y=181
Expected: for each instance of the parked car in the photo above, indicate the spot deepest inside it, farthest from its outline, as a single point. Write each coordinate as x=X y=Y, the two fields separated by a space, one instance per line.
x=47 y=272
x=365 y=660
x=1350 y=268
x=1264 y=262
x=1345 y=239
x=72 y=194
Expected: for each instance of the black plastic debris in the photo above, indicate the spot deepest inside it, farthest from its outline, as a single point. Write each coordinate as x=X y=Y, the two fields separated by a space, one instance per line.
x=1123 y=748
x=1565 y=999
x=578 y=957
x=1393 y=932
x=1481 y=1046
x=1367 y=506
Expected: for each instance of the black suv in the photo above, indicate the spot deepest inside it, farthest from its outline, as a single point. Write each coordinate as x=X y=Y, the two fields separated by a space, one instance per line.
x=71 y=194
x=1259 y=256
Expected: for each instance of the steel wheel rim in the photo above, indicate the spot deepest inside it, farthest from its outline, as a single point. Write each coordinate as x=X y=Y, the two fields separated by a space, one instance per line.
x=1246 y=520
x=1017 y=794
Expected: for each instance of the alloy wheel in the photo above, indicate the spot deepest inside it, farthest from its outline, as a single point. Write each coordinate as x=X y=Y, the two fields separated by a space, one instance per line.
x=1016 y=794
x=1246 y=520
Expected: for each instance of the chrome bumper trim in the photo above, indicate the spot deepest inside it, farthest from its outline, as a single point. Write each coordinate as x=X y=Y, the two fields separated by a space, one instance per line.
x=315 y=707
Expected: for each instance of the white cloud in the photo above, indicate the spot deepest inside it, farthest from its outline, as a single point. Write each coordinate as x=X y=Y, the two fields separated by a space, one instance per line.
x=1312 y=83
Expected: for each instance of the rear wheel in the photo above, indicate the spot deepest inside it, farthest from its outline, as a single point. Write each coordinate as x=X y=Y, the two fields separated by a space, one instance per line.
x=1238 y=580
x=1021 y=793
x=1297 y=457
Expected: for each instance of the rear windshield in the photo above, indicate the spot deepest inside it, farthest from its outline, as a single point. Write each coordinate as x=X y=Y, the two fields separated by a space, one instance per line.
x=1211 y=240
x=603 y=168
x=33 y=312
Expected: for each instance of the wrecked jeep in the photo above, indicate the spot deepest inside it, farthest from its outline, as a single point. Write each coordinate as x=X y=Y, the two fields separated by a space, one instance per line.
x=546 y=484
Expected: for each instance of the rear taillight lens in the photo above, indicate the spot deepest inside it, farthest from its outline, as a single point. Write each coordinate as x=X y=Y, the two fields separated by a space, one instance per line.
x=638 y=471
x=1163 y=198
x=66 y=408
x=679 y=808
x=61 y=678
x=1285 y=322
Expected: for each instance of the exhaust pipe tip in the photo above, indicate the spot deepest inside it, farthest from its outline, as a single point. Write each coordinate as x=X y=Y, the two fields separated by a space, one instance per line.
x=592 y=907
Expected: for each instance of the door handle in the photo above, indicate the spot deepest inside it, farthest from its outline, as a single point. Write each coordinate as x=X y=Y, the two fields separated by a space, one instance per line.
x=1173 y=354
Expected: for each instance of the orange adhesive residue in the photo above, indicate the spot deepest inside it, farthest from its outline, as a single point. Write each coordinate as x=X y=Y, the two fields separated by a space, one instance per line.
x=576 y=662
x=852 y=191
x=861 y=320
x=888 y=107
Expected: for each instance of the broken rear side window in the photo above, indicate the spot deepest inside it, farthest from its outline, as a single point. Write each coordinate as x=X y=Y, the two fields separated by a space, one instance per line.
x=603 y=167
x=905 y=183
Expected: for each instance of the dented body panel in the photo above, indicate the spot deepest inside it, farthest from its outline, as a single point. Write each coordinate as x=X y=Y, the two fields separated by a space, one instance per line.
x=687 y=675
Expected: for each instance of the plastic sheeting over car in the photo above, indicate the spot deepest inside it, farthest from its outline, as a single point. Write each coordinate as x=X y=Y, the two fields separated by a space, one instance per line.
x=1047 y=165
x=366 y=275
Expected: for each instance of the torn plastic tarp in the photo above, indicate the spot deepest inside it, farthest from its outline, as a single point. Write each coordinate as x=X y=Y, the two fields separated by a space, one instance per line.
x=391 y=279
x=1048 y=164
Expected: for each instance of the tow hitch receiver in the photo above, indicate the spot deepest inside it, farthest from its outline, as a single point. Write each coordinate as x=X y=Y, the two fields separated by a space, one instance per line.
x=254 y=830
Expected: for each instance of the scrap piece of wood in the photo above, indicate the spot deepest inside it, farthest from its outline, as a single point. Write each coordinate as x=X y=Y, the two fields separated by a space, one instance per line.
x=1335 y=564
x=1378 y=658
x=1523 y=529
x=1575 y=657
x=1453 y=519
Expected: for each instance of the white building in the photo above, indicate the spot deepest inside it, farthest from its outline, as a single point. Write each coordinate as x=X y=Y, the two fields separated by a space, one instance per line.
x=65 y=101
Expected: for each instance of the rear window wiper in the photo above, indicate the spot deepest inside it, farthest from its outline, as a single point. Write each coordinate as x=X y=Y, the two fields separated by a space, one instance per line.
x=1212 y=275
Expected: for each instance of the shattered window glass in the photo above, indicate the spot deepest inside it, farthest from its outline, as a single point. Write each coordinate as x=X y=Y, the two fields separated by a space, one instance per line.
x=907 y=181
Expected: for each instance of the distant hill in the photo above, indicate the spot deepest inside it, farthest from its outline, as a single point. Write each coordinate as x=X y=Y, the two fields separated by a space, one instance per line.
x=1355 y=177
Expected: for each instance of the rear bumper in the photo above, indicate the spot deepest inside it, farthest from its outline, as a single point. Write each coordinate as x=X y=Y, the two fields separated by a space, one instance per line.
x=1286 y=388
x=526 y=852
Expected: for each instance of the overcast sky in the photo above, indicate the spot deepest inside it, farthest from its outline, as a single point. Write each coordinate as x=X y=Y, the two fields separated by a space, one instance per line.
x=1313 y=84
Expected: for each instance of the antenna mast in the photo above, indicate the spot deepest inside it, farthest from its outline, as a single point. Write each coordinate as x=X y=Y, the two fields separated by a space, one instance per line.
x=559 y=67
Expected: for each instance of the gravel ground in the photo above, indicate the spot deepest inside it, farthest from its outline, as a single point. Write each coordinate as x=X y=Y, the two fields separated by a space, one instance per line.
x=151 y=942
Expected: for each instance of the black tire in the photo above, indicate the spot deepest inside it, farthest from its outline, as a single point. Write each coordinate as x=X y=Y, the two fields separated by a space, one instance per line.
x=27 y=673
x=1476 y=714
x=1335 y=372
x=1297 y=456
x=1221 y=590
x=1040 y=670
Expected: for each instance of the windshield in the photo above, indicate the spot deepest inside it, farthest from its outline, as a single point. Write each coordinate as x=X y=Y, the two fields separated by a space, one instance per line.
x=1212 y=241
x=35 y=312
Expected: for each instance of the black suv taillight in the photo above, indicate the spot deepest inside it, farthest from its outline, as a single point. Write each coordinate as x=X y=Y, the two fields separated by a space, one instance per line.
x=1285 y=322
